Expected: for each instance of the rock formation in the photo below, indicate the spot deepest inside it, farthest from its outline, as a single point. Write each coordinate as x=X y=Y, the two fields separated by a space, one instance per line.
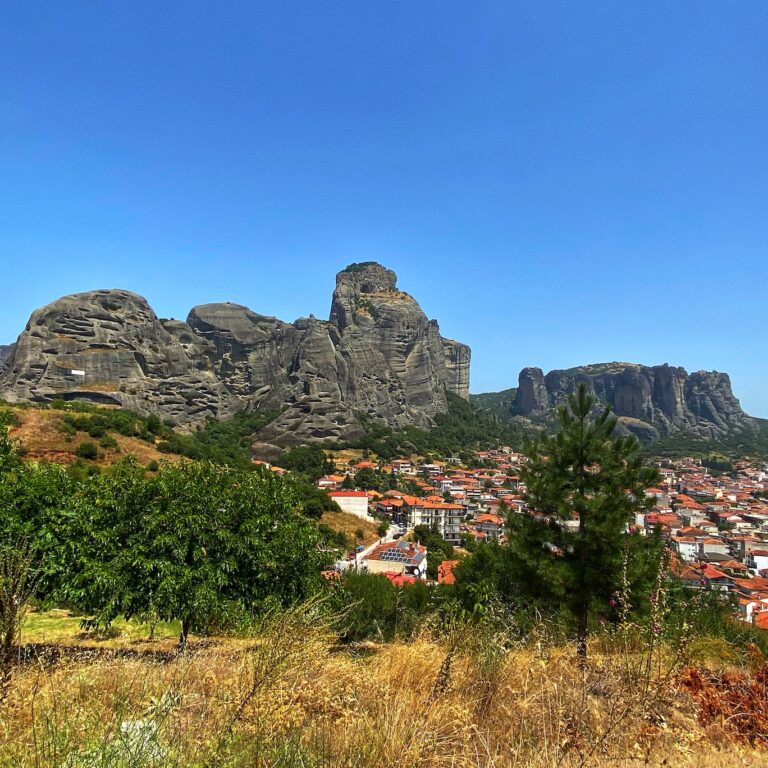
x=109 y=347
x=5 y=352
x=650 y=401
x=378 y=356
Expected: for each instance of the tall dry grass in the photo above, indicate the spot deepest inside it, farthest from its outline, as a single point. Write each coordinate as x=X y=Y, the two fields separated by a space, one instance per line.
x=291 y=696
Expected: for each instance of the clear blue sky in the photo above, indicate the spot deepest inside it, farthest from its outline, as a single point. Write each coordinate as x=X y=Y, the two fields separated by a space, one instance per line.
x=557 y=183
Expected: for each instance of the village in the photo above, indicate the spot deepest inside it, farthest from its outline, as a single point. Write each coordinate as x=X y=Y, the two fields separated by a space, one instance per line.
x=714 y=523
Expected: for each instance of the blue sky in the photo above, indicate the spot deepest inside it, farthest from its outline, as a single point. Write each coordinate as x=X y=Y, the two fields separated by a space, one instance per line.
x=557 y=183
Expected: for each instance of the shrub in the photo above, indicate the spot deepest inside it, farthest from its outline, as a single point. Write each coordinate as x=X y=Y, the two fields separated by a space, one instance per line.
x=87 y=450
x=108 y=442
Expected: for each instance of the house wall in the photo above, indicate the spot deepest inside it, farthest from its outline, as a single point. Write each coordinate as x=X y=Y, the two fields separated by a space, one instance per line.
x=355 y=505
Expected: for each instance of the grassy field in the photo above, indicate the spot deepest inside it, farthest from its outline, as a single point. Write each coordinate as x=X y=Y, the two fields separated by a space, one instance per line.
x=43 y=439
x=61 y=627
x=349 y=525
x=290 y=696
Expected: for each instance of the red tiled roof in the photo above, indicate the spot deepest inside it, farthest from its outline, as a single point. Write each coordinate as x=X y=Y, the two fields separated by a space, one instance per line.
x=445 y=572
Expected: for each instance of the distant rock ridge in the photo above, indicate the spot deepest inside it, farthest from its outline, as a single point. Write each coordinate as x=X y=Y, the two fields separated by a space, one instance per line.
x=378 y=355
x=650 y=401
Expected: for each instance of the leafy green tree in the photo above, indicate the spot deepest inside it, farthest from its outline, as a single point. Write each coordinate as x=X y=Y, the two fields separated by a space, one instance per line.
x=35 y=508
x=313 y=500
x=190 y=543
x=374 y=609
x=307 y=460
x=587 y=473
x=367 y=479
x=9 y=456
x=438 y=549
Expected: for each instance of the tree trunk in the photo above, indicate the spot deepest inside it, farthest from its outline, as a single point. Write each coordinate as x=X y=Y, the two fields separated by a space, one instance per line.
x=184 y=634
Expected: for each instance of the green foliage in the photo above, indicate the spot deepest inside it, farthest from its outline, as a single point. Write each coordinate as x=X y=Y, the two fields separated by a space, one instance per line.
x=8 y=418
x=709 y=614
x=359 y=266
x=438 y=549
x=738 y=444
x=195 y=542
x=332 y=538
x=584 y=472
x=374 y=609
x=718 y=464
x=307 y=460
x=9 y=454
x=87 y=450
x=463 y=428
x=108 y=442
x=35 y=507
x=497 y=404
x=222 y=442
x=368 y=479
x=96 y=421
x=314 y=501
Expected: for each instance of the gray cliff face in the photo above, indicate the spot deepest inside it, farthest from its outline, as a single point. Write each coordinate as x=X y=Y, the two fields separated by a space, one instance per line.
x=6 y=350
x=650 y=401
x=109 y=347
x=378 y=355
x=457 y=360
x=531 y=396
x=395 y=359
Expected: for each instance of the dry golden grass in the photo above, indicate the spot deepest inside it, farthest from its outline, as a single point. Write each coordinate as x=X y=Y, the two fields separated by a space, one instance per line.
x=343 y=458
x=40 y=434
x=349 y=524
x=291 y=697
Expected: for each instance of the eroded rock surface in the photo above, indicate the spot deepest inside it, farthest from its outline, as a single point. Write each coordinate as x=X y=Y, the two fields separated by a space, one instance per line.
x=109 y=347
x=378 y=355
x=651 y=401
x=5 y=352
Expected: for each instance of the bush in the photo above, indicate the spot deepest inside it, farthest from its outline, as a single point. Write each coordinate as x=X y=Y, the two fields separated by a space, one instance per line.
x=379 y=610
x=87 y=450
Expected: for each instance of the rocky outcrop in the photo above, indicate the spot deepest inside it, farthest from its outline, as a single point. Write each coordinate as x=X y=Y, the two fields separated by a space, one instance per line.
x=6 y=350
x=650 y=401
x=457 y=359
x=378 y=356
x=109 y=347
x=531 y=396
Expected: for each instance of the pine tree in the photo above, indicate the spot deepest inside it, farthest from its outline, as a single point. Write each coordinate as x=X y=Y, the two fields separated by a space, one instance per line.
x=585 y=473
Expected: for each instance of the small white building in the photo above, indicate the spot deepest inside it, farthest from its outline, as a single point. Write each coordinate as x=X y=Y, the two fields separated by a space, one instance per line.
x=757 y=560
